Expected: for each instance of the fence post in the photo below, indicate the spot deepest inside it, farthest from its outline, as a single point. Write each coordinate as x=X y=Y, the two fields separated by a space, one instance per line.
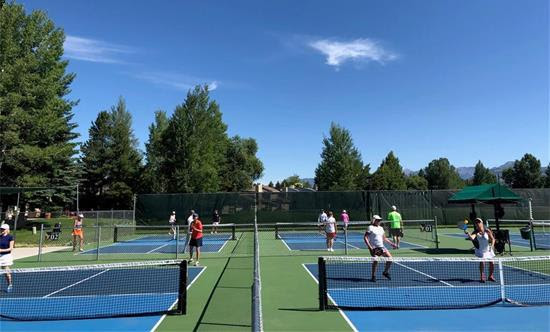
x=436 y=235
x=98 y=241
x=41 y=242
x=177 y=240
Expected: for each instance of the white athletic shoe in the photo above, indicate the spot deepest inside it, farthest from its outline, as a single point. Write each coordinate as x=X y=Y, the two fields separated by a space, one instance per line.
x=197 y=263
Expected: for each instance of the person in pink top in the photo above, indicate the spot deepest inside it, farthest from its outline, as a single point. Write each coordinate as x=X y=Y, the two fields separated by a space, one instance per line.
x=345 y=218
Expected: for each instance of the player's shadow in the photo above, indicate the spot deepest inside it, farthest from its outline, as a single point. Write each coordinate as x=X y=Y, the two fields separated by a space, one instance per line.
x=443 y=251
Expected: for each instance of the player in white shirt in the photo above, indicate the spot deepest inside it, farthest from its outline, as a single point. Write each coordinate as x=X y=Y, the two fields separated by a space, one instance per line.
x=374 y=239
x=484 y=248
x=172 y=223
x=321 y=221
x=190 y=220
x=330 y=230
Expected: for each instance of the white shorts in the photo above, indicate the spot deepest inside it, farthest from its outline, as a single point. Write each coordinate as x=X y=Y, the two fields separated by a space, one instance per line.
x=215 y=224
x=6 y=260
x=486 y=254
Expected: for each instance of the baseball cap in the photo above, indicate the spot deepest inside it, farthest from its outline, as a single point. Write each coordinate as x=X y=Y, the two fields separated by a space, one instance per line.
x=376 y=217
x=344 y=211
x=5 y=226
x=393 y=207
x=81 y=215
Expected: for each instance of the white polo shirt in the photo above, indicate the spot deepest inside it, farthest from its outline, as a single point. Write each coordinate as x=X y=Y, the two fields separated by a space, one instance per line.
x=375 y=235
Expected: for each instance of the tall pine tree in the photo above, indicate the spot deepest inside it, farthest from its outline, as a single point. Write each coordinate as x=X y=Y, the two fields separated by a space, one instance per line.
x=37 y=136
x=111 y=160
x=152 y=180
x=341 y=167
x=194 y=143
x=526 y=173
x=389 y=176
x=482 y=175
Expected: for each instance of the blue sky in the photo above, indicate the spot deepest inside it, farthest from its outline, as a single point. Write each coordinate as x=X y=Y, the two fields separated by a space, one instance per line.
x=466 y=80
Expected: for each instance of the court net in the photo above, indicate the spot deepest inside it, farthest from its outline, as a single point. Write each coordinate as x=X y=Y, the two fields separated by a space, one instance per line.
x=95 y=291
x=414 y=233
x=134 y=234
x=431 y=283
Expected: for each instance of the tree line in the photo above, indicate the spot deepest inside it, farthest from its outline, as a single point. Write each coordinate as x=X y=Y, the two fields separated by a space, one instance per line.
x=188 y=151
x=342 y=168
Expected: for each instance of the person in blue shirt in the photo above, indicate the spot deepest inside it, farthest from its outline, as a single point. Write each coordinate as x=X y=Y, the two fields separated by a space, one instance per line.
x=6 y=259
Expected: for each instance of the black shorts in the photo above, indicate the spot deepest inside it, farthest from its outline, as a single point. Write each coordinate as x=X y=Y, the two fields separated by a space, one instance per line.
x=396 y=232
x=195 y=242
x=377 y=252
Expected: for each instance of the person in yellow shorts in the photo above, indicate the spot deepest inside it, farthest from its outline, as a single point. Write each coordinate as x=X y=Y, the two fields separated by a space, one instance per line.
x=78 y=232
x=396 y=232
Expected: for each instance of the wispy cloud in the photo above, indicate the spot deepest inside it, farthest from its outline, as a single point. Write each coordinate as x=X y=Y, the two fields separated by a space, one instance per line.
x=177 y=81
x=339 y=52
x=94 y=50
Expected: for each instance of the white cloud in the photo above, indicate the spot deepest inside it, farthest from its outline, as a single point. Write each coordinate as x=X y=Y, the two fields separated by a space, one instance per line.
x=93 y=50
x=177 y=81
x=365 y=49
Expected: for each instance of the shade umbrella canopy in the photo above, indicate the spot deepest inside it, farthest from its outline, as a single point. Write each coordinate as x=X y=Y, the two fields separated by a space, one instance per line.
x=486 y=193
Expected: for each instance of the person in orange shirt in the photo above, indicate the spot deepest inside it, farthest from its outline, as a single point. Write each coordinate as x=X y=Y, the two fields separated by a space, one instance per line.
x=78 y=232
x=196 y=239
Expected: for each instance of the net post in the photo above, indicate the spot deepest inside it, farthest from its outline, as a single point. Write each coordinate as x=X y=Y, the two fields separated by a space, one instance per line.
x=322 y=283
x=345 y=240
x=436 y=235
x=277 y=232
x=501 y=275
x=182 y=289
x=115 y=234
x=41 y=242
x=98 y=242
x=233 y=231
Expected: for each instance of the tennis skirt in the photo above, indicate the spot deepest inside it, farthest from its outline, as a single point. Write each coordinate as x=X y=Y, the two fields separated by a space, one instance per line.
x=484 y=254
x=6 y=260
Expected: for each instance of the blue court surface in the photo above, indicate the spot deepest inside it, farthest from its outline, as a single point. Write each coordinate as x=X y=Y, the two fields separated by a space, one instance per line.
x=543 y=240
x=317 y=241
x=161 y=244
x=466 y=290
x=88 y=292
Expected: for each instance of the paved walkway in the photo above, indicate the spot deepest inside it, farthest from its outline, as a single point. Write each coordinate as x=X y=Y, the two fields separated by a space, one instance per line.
x=33 y=251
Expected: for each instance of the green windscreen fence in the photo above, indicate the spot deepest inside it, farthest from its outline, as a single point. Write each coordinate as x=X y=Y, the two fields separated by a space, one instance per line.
x=238 y=208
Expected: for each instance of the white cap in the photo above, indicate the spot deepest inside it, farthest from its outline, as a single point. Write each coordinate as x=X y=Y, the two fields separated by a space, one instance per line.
x=344 y=211
x=5 y=226
x=393 y=207
x=81 y=215
x=173 y=212
x=376 y=217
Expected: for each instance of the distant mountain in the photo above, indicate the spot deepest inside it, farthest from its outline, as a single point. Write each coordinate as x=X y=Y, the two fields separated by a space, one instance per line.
x=468 y=172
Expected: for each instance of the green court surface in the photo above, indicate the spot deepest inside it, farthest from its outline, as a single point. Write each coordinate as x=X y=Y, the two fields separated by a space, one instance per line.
x=220 y=299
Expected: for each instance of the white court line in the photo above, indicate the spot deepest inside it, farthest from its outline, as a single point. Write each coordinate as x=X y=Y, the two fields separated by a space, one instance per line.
x=173 y=304
x=76 y=283
x=331 y=299
x=157 y=248
x=424 y=274
x=349 y=245
x=284 y=242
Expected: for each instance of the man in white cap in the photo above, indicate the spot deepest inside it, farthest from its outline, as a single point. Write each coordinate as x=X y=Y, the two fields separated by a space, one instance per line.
x=396 y=232
x=6 y=259
x=374 y=239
